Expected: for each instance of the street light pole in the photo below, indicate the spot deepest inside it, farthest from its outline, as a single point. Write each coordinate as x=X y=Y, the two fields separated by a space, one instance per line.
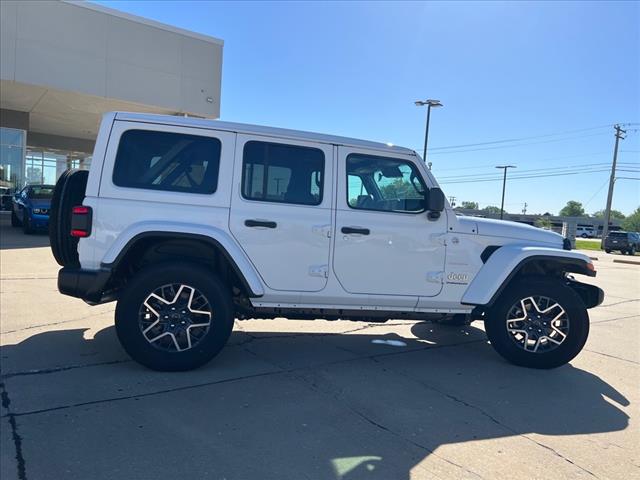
x=429 y=103
x=504 y=184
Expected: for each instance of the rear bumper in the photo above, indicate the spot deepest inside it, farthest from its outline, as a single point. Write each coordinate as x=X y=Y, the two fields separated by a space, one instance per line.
x=89 y=285
x=617 y=246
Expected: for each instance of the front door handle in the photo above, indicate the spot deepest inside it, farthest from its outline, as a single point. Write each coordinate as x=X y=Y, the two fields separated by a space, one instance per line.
x=359 y=230
x=260 y=223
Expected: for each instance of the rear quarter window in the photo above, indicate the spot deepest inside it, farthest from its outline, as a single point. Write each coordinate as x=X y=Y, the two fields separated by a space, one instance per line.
x=167 y=161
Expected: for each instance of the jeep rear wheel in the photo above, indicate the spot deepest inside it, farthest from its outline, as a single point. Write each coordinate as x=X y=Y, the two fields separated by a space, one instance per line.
x=538 y=323
x=174 y=317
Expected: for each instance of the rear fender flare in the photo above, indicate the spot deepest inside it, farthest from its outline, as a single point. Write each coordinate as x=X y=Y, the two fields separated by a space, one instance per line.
x=214 y=236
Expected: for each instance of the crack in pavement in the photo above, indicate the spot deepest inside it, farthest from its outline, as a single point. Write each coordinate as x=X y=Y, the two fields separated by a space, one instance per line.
x=618 y=303
x=352 y=409
x=485 y=414
x=614 y=319
x=215 y=382
x=612 y=356
x=17 y=439
x=143 y=395
x=44 y=371
x=31 y=327
x=336 y=397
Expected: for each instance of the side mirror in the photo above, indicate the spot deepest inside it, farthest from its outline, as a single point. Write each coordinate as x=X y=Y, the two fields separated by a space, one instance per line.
x=435 y=200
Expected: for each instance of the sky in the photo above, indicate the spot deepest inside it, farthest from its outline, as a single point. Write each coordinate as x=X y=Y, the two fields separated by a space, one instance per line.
x=557 y=75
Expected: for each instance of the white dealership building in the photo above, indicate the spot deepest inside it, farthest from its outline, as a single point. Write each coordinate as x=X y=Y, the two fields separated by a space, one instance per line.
x=63 y=64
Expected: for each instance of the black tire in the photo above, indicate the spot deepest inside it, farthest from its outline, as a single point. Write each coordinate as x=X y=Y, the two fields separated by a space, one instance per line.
x=148 y=280
x=70 y=191
x=15 y=221
x=26 y=223
x=632 y=251
x=506 y=345
x=607 y=250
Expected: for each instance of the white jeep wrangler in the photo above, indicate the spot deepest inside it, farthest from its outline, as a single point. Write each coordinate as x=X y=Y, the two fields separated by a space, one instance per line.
x=191 y=223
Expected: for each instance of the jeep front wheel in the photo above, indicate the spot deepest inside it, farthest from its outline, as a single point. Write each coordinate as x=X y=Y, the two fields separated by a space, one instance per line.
x=174 y=317
x=538 y=323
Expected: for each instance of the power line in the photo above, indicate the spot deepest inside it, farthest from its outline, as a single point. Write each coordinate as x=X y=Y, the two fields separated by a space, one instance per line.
x=516 y=145
x=597 y=192
x=511 y=140
x=565 y=132
x=534 y=170
x=542 y=160
x=448 y=182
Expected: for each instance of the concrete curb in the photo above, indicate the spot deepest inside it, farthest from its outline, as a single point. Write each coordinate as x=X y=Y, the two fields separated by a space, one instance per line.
x=629 y=262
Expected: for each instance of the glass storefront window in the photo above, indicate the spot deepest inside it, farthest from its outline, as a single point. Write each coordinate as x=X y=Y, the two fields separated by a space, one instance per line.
x=45 y=166
x=12 y=147
x=21 y=165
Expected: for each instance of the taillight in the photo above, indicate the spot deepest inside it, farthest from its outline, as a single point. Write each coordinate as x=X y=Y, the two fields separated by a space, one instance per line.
x=81 y=217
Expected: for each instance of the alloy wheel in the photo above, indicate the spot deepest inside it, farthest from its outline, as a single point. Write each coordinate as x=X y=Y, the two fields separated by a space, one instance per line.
x=537 y=324
x=175 y=317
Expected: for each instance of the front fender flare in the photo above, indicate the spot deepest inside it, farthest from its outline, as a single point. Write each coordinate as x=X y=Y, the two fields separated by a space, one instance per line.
x=236 y=256
x=508 y=260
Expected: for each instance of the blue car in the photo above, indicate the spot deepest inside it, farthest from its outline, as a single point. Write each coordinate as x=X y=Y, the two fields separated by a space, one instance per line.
x=31 y=208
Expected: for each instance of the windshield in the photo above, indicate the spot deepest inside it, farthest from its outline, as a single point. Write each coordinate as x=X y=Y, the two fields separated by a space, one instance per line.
x=41 y=191
x=618 y=234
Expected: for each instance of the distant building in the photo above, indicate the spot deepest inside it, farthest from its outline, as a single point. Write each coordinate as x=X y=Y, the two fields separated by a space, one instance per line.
x=64 y=64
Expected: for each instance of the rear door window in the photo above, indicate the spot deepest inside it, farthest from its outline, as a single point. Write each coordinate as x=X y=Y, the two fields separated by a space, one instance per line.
x=276 y=172
x=168 y=161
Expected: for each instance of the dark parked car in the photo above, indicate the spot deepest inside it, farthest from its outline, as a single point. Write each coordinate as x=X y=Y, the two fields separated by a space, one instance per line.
x=624 y=242
x=31 y=207
x=5 y=198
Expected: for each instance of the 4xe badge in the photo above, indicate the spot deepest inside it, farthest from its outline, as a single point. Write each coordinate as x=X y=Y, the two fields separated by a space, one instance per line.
x=454 y=277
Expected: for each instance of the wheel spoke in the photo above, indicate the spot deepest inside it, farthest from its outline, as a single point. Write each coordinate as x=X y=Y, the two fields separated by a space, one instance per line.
x=182 y=317
x=537 y=324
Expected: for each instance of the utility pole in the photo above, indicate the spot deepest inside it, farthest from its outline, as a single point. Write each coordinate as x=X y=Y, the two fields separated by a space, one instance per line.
x=612 y=180
x=504 y=184
x=524 y=209
x=452 y=201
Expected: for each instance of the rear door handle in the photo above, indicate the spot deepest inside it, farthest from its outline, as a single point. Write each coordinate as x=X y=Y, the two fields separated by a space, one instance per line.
x=260 y=223
x=352 y=230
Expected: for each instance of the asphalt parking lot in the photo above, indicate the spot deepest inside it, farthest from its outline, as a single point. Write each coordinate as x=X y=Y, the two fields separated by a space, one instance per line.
x=307 y=399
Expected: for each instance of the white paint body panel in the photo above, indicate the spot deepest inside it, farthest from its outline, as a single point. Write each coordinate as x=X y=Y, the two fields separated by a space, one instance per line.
x=286 y=256
x=408 y=263
x=400 y=251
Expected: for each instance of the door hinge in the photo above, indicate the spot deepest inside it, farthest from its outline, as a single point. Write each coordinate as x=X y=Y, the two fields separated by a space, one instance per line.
x=323 y=230
x=319 y=271
x=439 y=238
x=435 y=277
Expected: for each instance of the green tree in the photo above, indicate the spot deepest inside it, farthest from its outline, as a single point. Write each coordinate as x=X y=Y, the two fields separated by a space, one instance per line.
x=572 y=209
x=492 y=210
x=632 y=222
x=470 y=205
x=544 y=222
x=614 y=214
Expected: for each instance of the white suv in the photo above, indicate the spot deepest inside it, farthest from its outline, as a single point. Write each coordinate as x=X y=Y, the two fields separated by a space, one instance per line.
x=585 y=232
x=192 y=223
